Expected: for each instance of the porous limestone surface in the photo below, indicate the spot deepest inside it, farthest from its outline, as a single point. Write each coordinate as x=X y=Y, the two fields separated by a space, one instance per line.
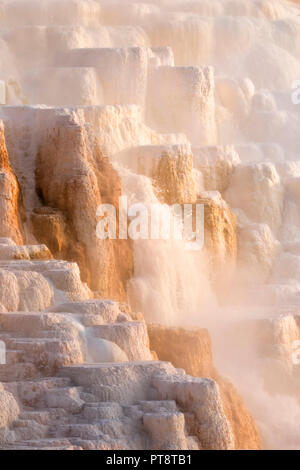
x=34 y=252
x=169 y=166
x=33 y=285
x=53 y=397
x=165 y=101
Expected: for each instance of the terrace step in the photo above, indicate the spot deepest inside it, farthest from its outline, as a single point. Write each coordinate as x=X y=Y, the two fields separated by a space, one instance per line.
x=17 y=372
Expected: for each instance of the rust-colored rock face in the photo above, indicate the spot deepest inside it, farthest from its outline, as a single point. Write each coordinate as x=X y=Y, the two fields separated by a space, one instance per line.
x=170 y=168
x=10 y=225
x=74 y=178
x=140 y=111
x=191 y=350
x=50 y=226
x=173 y=177
x=220 y=242
x=244 y=428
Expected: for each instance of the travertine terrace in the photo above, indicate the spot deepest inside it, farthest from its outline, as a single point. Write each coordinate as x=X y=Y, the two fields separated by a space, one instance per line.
x=110 y=344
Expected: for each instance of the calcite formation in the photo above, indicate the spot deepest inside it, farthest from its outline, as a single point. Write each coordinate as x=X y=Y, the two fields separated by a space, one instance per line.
x=108 y=341
x=66 y=402
x=220 y=234
x=169 y=166
x=76 y=179
x=191 y=350
x=10 y=198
